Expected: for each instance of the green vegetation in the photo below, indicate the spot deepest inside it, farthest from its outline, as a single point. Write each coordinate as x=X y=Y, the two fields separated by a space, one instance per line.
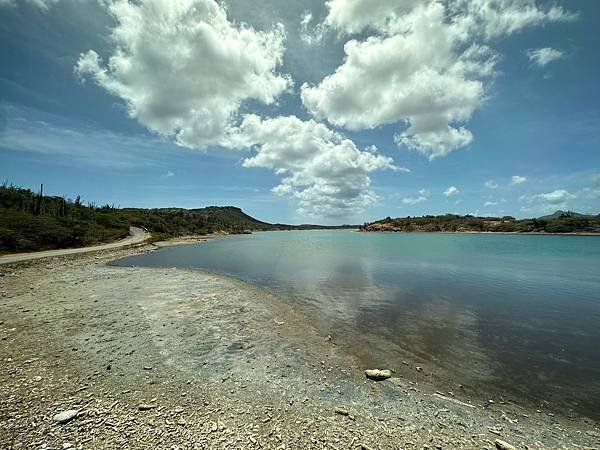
x=560 y=222
x=32 y=221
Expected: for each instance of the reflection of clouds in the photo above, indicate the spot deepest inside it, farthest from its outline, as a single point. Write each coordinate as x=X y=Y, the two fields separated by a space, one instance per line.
x=348 y=289
x=386 y=316
x=439 y=329
x=488 y=312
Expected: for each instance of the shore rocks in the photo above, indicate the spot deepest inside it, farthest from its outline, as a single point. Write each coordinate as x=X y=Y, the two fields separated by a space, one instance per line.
x=66 y=416
x=378 y=374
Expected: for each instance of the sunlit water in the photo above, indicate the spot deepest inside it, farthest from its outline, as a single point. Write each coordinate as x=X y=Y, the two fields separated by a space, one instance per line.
x=510 y=315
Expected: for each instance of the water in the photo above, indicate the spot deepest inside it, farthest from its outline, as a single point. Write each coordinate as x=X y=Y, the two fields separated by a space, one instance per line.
x=510 y=315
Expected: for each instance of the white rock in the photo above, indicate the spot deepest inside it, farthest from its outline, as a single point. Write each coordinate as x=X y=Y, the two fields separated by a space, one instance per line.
x=378 y=375
x=501 y=445
x=66 y=416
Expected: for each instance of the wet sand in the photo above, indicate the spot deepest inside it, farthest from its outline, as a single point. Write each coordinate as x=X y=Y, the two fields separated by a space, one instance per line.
x=214 y=363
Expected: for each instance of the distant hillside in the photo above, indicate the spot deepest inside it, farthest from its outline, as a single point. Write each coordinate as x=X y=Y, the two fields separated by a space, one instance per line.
x=558 y=214
x=179 y=221
x=454 y=223
x=32 y=221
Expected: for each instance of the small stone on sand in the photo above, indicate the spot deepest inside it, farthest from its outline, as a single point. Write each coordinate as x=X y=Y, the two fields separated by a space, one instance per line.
x=378 y=375
x=66 y=416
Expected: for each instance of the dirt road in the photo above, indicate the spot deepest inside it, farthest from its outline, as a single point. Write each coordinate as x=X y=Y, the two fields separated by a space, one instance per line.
x=137 y=235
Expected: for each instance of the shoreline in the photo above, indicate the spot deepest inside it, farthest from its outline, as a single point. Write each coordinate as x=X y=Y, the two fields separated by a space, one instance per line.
x=220 y=363
x=508 y=233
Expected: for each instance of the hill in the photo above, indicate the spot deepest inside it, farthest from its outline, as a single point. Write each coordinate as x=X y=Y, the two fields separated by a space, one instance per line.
x=560 y=213
x=455 y=223
x=32 y=221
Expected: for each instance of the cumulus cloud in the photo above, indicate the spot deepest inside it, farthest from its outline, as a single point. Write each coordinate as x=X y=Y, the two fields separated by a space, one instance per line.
x=488 y=18
x=416 y=77
x=517 y=179
x=184 y=70
x=547 y=202
x=543 y=56
x=353 y=16
x=324 y=171
x=490 y=184
x=423 y=65
x=557 y=197
x=423 y=195
x=451 y=191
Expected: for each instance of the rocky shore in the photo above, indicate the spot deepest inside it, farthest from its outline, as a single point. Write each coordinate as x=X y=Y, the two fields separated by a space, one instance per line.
x=94 y=356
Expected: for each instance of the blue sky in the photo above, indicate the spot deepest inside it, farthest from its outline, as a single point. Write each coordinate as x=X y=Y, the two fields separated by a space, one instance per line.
x=275 y=107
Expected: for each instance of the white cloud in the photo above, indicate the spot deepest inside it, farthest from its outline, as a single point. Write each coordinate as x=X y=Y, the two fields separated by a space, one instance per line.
x=543 y=56
x=517 y=179
x=184 y=70
x=353 y=16
x=417 y=77
x=557 y=197
x=423 y=66
x=547 y=202
x=423 y=195
x=308 y=34
x=169 y=174
x=488 y=18
x=490 y=203
x=490 y=184
x=325 y=172
x=451 y=191
x=496 y=18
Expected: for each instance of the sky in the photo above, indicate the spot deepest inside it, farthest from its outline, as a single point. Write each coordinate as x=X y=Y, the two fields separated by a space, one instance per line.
x=338 y=111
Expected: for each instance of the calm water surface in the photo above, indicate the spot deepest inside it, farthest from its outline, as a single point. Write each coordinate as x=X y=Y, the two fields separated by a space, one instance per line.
x=517 y=316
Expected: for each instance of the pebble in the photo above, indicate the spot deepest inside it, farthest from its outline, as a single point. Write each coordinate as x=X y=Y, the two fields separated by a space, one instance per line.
x=146 y=407
x=378 y=375
x=501 y=445
x=342 y=411
x=66 y=416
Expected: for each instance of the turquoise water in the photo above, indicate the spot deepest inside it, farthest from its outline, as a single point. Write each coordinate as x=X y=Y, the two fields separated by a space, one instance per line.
x=501 y=315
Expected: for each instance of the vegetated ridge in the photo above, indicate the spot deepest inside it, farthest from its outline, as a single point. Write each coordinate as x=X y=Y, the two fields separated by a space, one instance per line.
x=32 y=221
x=559 y=222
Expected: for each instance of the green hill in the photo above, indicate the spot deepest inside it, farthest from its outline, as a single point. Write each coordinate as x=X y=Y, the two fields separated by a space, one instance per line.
x=558 y=214
x=32 y=221
x=563 y=223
